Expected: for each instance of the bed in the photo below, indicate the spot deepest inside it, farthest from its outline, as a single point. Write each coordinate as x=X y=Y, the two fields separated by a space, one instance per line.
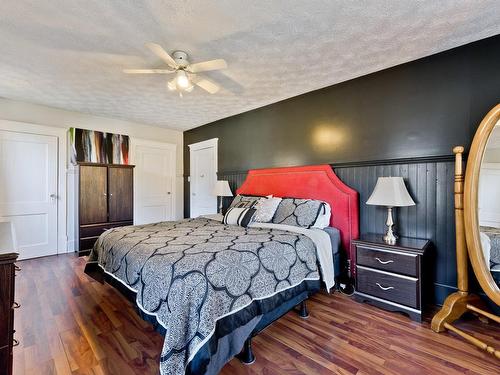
x=490 y=240
x=209 y=287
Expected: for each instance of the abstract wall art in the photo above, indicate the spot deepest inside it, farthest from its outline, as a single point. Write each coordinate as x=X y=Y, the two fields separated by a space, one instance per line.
x=92 y=146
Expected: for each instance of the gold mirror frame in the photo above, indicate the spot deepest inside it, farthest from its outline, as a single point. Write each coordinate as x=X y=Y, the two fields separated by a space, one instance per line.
x=476 y=153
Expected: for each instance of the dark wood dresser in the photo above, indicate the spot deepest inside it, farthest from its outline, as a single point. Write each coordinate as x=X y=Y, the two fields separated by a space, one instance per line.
x=390 y=276
x=7 y=307
x=106 y=200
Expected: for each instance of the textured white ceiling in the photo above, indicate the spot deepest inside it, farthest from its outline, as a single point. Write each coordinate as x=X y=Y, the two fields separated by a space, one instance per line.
x=69 y=54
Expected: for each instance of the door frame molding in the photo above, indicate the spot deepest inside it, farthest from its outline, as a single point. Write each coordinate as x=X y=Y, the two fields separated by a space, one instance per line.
x=61 y=135
x=213 y=142
x=135 y=142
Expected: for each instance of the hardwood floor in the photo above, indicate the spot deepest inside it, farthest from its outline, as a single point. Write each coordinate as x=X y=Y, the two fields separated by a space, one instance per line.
x=70 y=324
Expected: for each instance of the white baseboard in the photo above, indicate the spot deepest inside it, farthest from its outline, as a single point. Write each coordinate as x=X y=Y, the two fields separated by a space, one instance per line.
x=71 y=246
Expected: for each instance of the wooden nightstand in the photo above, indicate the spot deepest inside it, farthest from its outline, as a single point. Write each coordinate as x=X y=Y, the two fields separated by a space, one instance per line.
x=390 y=276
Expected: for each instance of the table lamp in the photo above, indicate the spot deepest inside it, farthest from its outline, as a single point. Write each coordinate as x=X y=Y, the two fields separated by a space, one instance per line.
x=222 y=189
x=390 y=192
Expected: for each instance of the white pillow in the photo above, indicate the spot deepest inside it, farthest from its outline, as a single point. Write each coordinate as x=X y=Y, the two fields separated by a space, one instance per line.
x=266 y=208
x=486 y=246
x=323 y=219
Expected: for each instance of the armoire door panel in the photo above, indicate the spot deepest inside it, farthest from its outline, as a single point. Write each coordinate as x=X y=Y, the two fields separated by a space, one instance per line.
x=121 y=194
x=93 y=194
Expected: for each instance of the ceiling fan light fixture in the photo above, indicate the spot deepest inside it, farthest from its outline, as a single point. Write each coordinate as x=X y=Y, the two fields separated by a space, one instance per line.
x=171 y=85
x=182 y=79
x=186 y=74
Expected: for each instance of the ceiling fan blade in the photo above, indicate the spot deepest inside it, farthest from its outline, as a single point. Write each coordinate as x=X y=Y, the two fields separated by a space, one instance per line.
x=160 y=52
x=148 y=71
x=206 y=84
x=205 y=66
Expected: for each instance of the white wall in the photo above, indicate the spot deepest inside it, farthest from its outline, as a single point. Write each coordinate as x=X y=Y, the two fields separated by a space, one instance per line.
x=491 y=155
x=59 y=118
x=489 y=181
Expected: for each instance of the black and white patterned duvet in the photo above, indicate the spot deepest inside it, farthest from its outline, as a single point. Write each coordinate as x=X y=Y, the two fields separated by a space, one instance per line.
x=494 y=251
x=190 y=273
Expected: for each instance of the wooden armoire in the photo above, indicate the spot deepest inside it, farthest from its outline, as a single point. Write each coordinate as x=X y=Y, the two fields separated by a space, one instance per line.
x=106 y=200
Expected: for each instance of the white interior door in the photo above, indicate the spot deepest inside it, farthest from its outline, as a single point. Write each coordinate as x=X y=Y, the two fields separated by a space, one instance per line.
x=203 y=171
x=28 y=190
x=155 y=183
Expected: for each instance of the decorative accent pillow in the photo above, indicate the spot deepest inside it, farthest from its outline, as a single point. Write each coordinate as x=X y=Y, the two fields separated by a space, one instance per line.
x=298 y=212
x=266 y=208
x=242 y=201
x=241 y=216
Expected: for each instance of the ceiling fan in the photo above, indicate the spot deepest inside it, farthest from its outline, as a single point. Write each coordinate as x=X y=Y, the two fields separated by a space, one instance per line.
x=185 y=73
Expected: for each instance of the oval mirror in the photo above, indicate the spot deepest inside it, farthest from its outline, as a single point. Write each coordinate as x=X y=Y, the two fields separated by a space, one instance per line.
x=482 y=204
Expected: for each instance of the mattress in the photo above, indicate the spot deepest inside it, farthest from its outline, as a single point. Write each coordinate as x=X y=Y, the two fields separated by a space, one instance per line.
x=190 y=274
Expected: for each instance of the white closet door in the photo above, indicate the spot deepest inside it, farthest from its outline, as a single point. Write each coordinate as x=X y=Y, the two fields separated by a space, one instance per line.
x=203 y=165
x=155 y=182
x=28 y=190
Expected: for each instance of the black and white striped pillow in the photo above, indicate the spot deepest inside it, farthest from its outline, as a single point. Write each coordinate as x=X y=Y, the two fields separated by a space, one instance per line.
x=241 y=216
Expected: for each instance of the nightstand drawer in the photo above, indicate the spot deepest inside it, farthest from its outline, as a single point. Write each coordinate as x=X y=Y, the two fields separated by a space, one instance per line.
x=391 y=287
x=391 y=261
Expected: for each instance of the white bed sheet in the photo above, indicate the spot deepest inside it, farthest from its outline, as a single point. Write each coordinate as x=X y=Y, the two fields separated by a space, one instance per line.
x=323 y=246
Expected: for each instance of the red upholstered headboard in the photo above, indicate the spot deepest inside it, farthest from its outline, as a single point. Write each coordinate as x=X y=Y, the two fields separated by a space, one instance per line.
x=313 y=182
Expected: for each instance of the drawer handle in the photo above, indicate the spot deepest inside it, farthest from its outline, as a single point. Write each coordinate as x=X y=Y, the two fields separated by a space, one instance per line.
x=385 y=287
x=384 y=261
x=16 y=305
x=15 y=342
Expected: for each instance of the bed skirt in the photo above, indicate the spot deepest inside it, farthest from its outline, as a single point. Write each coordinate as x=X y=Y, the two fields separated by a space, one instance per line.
x=231 y=331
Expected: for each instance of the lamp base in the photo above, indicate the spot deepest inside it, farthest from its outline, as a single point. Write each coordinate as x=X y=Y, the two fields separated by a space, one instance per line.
x=219 y=209
x=390 y=238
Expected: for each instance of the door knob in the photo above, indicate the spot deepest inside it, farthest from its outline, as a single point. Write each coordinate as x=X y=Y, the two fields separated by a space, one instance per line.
x=53 y=197
x=168 y=193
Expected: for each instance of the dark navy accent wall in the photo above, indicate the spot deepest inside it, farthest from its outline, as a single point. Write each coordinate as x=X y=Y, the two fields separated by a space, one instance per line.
x=399 y=121
x=428 y=182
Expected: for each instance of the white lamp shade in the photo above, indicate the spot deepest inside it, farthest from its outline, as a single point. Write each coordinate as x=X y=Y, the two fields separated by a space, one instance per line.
x=222 y=189
x=390 y=192
x=8 y=242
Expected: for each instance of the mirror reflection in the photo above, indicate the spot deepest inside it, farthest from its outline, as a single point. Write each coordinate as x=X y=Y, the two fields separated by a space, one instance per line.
x=489 y=204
